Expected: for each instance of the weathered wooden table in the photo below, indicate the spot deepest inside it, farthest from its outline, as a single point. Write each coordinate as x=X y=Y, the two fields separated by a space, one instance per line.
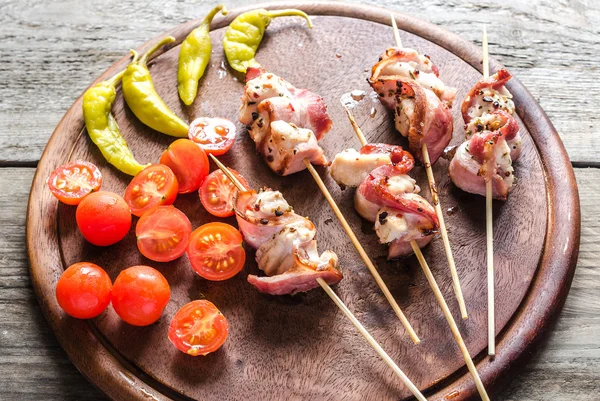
x=51 y=51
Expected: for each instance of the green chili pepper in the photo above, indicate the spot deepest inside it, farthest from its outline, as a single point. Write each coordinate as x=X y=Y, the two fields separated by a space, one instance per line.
x=193 y=57
x=144 y=101
x=245 y=33
x=103 y=129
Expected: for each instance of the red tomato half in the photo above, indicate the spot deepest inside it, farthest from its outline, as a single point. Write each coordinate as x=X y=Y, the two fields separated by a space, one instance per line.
x=72 y=182
x=216 y=193
x=214 y=135
x=163 y=233
x=189 y=163
x=140 y=294
x=103 y=218
x=153 y=186
x=83 y=290
x=216 y=252
x=198 y=328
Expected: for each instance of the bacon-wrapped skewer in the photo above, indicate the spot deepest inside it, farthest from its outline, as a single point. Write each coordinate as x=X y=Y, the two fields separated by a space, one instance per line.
x=285 y=241
x=409 y=84
x=284 y=122
x=383 y=174
x=482 y=165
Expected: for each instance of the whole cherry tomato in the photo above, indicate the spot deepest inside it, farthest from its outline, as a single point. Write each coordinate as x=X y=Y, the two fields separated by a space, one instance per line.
x=83 y=290
x=103 y=218
x=140 y=294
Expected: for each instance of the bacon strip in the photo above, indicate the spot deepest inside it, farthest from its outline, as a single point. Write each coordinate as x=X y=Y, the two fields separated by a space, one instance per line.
x=422 y=118
x=375 y=189
x=302 y=276
x=494 y=83
x=408 y=65
x=484 y=157
x=258 y=231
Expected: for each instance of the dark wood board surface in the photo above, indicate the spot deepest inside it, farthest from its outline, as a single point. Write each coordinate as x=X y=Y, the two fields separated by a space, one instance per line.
x=289 y=354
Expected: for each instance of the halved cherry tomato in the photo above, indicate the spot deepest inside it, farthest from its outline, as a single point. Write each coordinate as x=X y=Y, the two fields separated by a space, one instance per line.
x=103 y=218
x=216 y=193
x=216 y=252
x=72 y=182
x=198 y=328
x=214 y=135
x=189 y=163
x=83 y=290
x=140 y=294
x=163 y=233
x=153 y=186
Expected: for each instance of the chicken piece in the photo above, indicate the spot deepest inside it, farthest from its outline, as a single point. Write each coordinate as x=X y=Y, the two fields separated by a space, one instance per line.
x=487 y=96
x=302 y=276
x=501 y=121
x=389 y=198
x=407 y=65
x=350 y=167
x=262 y=215
x=276 y=256
x=397 y=229
x=285 y=146
x=486 y=156
x=420 y=116
x=261 y=85
x=398 y=185
x=399 y=248
x=305 y=110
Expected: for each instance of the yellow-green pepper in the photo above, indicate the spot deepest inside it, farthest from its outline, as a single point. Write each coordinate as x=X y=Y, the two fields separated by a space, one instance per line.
x=103 y=129
x=144 y=101
x=245 y=33
x=194 y=55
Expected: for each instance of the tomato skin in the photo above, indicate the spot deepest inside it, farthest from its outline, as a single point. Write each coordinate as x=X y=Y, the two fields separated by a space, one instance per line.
x=83 y=290
x=188 y=162
x=153 y=186
x=216 y=193
x=186 y=331
x=72 y=182
x=216 y=252
x=162 y=233
x=140 y=294
x=103 y=218
x=214 y=135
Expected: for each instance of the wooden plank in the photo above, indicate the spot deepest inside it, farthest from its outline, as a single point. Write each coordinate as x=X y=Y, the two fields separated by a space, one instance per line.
x=545 y=44
x=32 y=364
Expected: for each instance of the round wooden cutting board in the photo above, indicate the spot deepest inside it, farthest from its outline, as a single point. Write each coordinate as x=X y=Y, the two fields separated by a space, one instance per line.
x=301 y=347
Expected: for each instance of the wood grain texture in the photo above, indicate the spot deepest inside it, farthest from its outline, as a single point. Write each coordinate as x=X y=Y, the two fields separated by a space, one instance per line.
x=52 y=49
x=118 y=354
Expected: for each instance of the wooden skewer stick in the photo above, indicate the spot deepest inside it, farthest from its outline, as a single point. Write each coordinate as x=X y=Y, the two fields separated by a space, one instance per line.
x=438 y=208
x=396 y=32
x=372 y=342
x=440 y=215
x=362 y=253
x=413 y=389
x=438 y=295
x=455 y=332
x=489 y=230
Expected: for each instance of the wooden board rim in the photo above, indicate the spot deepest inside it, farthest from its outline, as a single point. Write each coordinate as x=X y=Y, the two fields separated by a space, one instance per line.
x=526 y=327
